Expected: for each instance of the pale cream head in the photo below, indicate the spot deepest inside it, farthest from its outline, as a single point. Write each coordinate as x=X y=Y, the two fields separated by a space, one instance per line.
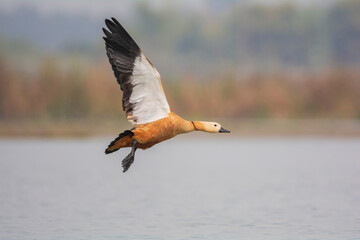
x=212 y=127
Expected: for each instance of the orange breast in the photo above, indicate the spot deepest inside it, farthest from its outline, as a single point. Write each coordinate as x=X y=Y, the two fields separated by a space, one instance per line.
x=152 y=133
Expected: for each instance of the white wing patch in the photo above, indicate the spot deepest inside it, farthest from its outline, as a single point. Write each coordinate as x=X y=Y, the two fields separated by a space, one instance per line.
x=147 y=97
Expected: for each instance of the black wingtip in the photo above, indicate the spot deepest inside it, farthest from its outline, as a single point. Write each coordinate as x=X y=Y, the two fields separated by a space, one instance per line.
x=106 y=32
x=115 y=21
x=121 y=50
x=110 y=25
x=107 y=21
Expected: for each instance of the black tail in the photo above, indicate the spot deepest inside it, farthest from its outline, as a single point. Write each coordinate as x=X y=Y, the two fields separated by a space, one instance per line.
x=112 y=147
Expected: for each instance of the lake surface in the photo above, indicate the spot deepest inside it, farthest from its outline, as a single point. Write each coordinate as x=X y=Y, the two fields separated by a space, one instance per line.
x=186 y=188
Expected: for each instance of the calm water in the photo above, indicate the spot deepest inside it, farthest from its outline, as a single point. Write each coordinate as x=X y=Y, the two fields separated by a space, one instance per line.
x=215 y=188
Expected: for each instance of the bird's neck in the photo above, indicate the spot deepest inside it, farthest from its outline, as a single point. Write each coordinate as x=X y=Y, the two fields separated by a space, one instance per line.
x=195 y=126
x=184 y=126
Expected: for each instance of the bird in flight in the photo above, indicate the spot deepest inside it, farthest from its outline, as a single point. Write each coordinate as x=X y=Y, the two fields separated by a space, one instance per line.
x=144 y=100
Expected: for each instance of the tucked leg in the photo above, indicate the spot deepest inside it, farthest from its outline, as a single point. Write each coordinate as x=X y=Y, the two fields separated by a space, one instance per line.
x=129 y=159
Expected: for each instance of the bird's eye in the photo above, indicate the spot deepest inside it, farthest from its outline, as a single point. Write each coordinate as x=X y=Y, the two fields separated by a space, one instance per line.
x=215 y=125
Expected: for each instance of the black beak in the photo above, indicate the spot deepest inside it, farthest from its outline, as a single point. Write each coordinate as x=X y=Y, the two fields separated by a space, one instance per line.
x=223 y=130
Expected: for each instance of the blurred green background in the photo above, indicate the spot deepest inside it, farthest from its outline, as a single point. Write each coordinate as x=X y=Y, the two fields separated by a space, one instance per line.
x=260 y=67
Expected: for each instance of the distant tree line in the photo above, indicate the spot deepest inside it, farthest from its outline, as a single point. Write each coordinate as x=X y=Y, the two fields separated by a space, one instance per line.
x=91 y=92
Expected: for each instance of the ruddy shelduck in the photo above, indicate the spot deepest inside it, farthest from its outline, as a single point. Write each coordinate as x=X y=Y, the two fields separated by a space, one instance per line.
x=143 y=99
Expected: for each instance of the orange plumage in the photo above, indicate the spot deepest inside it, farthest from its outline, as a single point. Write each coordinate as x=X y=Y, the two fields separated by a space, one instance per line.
x=155 y=132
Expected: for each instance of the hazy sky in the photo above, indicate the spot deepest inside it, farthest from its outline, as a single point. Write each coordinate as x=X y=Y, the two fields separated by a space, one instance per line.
x=97 y=7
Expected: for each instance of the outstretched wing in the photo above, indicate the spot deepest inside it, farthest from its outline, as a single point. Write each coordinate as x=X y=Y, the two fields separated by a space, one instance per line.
x=143 y=95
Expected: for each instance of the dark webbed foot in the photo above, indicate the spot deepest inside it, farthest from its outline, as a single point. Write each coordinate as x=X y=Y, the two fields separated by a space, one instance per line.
x=129 y=159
